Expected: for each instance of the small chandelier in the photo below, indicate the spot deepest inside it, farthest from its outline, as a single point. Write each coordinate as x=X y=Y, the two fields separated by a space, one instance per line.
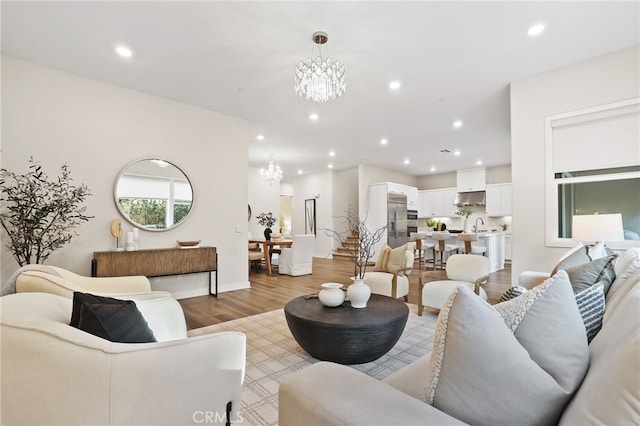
x=272 y=174
x=320 y=79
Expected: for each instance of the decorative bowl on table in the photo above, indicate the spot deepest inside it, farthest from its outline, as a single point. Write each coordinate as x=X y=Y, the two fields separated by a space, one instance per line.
x=188 y=244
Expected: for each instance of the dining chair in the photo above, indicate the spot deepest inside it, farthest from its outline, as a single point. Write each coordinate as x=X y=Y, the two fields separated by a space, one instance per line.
x=297 y=259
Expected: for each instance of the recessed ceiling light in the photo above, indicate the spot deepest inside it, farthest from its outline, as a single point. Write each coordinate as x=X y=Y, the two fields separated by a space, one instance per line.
x=300 y=171
x=314 y=116
x=535 y=30
x=332 y=153
x=330 y=166
x=479 y=163
x=383 y=141
x=394 y=85
x=433 y=169
x=260 y=137
x=406 y=161
x=124 y=51
x=457 y=124
x=456 y=153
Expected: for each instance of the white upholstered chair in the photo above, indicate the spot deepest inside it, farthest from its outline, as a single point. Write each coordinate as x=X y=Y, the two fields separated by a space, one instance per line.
x=462 y=269
x=297 y=259
x=394 y=283
x=160 y=309
x=442 y=247
x=469 y=247
x=56 y=374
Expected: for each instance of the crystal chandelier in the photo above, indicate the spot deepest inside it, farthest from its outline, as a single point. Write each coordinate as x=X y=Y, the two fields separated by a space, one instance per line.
x=320 y=79
x=272 y=174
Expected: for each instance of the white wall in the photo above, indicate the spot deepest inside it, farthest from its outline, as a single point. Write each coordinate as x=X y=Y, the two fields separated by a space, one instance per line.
x=499 y=174
x=438 y=181
x=263 y=198
x=97 y=129
x=598 y=81
x=320 y=187
x=345 y=196
x=369 y=174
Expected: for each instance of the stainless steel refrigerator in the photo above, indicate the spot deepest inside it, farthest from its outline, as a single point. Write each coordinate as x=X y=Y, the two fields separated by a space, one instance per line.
x=396 y=220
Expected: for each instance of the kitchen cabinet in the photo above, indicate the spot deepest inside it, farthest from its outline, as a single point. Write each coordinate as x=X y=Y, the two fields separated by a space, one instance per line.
x=410 y=191
x=507 y=246
x=437 y=203
x=498 y=200
x=471 y=180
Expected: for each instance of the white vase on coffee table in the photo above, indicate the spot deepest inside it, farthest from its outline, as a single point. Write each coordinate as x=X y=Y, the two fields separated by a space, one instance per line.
x=359 y=293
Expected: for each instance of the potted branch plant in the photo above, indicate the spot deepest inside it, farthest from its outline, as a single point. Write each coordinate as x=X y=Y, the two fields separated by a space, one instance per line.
x=359 y=242
x=465 y=211
x=39 y=215
x=267 y=220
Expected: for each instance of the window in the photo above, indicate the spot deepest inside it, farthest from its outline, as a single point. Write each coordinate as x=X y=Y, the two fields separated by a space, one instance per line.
x=593 y=165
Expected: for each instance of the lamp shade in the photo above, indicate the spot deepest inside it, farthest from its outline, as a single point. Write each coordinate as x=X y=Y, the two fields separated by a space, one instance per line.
x=598 y=227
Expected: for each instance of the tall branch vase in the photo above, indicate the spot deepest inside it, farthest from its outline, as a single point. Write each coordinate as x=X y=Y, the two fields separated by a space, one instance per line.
x=359 y=293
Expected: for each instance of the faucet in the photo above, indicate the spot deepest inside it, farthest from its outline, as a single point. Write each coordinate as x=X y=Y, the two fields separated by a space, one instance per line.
x=475 y=227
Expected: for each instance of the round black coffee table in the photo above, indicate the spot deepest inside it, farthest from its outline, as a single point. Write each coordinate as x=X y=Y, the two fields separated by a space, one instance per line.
x=344 y=334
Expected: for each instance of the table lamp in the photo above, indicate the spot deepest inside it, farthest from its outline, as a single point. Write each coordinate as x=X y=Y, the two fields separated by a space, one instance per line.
x=598 y=227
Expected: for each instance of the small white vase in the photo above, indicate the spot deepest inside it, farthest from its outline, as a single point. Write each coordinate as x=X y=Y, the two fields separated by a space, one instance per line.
x=359 y=293
x=331 y=295
x=467 y=225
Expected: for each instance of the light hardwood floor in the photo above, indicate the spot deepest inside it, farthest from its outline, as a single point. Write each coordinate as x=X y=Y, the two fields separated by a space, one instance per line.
x=273 y=292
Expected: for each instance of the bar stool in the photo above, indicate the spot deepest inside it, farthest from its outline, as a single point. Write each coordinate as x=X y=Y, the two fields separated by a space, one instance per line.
x=442 y=247
x=421 y=247
x=469 y=248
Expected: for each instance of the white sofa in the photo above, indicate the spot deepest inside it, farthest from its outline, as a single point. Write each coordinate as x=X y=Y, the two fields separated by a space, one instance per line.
x=55 y=374
x=332 y=394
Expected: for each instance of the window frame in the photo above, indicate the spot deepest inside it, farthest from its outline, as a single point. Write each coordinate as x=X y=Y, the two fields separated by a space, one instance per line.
x=551 y=182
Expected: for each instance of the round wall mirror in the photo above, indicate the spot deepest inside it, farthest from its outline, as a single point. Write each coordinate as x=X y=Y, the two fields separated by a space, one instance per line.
x=153 y=194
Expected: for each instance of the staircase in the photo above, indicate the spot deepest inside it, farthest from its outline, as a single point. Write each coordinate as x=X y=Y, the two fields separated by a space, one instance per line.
x=347 y=249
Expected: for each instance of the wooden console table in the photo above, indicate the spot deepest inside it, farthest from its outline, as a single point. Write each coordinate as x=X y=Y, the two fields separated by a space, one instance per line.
x=156 y=263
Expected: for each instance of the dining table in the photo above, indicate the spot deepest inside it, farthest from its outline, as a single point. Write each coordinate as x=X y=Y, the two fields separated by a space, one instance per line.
x=267 y=245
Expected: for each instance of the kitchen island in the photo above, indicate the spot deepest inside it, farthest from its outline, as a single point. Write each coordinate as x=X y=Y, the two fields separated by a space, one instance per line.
x=493 y=241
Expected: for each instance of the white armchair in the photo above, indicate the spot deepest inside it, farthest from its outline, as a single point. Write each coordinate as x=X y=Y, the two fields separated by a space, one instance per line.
x=394 y=283
x=462 y=269
x=55 y=280
x=53 y=373
x=297 y=259
x=160 y=309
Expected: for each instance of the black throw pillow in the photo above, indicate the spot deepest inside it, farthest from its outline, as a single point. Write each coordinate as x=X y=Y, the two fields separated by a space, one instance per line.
x=112 y=319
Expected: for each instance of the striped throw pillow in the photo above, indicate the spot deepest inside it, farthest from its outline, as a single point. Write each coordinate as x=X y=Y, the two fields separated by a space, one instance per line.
x=514 y=291
x=591 y=306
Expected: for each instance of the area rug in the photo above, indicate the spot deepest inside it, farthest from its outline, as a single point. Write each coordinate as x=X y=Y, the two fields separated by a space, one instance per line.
x=273 y=353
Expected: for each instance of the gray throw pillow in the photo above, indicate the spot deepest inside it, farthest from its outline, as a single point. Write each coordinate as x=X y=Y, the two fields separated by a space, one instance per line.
x=482 y=353
x=588 y=274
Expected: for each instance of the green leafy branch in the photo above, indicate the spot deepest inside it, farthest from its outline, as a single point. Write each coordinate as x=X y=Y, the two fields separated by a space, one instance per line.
x=39 y=215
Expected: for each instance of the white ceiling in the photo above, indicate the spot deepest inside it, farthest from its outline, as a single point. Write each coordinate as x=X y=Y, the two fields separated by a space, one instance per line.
x=455 y=61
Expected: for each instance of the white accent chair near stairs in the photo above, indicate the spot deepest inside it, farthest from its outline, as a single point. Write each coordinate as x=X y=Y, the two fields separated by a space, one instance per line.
x=393 y=283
